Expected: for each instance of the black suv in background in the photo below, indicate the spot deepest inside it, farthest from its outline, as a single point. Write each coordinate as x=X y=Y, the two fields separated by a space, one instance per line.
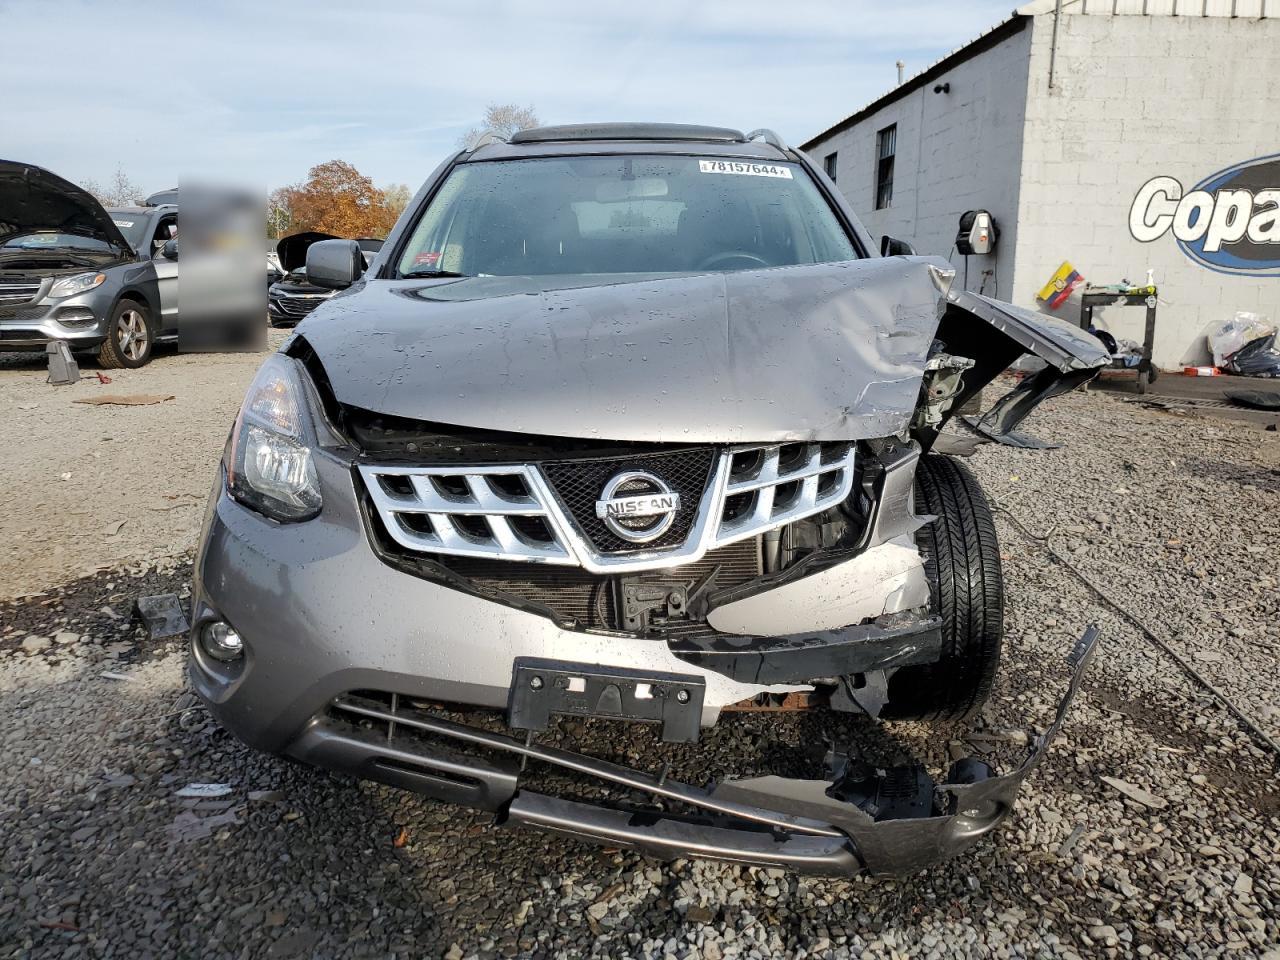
x=291 y=297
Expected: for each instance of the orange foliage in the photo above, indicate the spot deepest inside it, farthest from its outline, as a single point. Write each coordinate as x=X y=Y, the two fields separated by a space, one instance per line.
x=337 y=198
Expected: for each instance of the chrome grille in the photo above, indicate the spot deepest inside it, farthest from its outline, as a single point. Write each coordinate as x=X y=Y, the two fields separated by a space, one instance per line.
x=496 y=512
x=298 y=306
x=537 y=513
x=13 y=294
x=578 y=484
x=774 y=485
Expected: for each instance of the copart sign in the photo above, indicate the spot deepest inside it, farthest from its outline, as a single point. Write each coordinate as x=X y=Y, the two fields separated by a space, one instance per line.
x=1229 y=222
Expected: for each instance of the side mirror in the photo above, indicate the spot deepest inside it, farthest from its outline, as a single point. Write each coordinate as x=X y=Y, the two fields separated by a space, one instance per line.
x=334 y=264
x=170 y=249
x=889 y=247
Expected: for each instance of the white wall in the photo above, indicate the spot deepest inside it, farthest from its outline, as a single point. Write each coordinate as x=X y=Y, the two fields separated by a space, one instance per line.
x=1137 y=97
x=956 y=151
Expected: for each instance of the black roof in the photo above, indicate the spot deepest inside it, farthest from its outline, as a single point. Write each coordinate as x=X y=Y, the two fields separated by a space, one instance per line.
x=628 y=131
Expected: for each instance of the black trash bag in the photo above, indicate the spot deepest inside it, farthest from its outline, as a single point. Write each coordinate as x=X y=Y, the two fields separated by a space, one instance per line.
x=1107 y=339
x=1254 y=399
x=1257 y=358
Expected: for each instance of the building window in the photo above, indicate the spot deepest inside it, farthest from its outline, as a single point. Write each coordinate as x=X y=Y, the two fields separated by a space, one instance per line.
x=886 y=147
x=829 y=166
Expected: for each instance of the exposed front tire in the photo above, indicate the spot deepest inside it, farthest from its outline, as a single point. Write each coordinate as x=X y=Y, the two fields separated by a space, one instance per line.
x=130 y=337
x=962 y=560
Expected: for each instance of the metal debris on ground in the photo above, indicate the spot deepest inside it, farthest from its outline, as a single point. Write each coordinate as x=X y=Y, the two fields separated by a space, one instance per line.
x=1136 y=793
x=63 y=368
x=162 y=615
x=204 y=791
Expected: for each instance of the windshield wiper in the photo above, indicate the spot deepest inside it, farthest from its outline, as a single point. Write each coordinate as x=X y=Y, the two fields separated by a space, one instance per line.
x=432 y=274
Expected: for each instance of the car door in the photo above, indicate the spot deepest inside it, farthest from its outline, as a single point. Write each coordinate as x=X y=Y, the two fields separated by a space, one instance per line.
x=166 y=228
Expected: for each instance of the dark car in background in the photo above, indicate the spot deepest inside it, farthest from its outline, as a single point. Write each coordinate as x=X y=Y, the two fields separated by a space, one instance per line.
x=293 y=296
x=74 y=272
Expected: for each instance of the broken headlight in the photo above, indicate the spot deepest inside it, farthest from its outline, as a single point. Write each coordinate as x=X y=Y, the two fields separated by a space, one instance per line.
x=269 y=462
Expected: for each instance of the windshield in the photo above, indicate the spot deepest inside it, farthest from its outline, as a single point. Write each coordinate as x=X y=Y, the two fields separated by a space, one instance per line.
x=627 y=214
x=54 y=241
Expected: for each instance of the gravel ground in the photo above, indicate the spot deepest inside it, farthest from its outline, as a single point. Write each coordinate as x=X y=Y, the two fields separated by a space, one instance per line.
x=87 y=488
x=1172 y=516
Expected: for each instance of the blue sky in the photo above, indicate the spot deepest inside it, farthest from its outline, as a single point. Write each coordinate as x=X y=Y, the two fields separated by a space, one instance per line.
x=257 y=92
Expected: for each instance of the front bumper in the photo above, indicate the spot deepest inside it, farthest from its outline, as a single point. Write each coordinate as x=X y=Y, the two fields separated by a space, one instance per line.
x=323 y=618
x=322 y=614
x=883 y=822
x=79 y=321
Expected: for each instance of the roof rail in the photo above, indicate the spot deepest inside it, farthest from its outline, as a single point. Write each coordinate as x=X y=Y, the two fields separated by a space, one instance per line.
x=628 y=131
x=769 y=137
x=487 y=139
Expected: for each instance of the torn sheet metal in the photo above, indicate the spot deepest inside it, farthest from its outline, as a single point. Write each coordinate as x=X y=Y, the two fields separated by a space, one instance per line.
x=837 y=826
x=966 y=807
x=1058 y=343
x=830 y=351
x=887 y=822
x=888 y=578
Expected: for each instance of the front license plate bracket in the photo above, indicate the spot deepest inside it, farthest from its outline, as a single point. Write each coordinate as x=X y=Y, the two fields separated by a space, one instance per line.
x=543 y=688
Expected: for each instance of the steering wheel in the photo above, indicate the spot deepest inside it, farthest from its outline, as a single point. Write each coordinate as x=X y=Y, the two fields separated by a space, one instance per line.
x=714 y=261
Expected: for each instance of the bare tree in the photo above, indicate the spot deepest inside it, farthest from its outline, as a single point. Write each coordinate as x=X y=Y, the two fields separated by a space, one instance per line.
x=119 y=192
x=278 y=214
x=396 y=197
x=502 y=119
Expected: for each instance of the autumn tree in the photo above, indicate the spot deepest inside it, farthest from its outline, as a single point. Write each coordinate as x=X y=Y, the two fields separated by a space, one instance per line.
x=502 y=119
x=335 y=198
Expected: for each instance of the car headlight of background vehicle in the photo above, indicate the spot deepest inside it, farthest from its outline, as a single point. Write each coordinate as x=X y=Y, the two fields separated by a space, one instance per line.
x=269 y=462
x=70 y=286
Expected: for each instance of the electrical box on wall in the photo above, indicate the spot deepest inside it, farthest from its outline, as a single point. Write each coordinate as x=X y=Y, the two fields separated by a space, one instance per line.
x=978 y=233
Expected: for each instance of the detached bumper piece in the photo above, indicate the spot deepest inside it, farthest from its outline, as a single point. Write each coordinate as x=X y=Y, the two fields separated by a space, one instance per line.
x=893 y=640
x=861 y=819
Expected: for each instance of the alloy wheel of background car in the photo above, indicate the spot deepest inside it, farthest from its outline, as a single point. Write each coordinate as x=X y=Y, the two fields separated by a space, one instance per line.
x=129 y=341
x=962 y=559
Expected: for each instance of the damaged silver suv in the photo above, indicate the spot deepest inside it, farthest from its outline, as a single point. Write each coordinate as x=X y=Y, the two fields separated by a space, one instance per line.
x=626 y=421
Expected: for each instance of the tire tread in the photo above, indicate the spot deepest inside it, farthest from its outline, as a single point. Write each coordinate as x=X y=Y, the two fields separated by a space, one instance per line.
x=962 y=562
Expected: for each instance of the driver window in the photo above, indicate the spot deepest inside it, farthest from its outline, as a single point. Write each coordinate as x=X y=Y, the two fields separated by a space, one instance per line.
x=165 y=231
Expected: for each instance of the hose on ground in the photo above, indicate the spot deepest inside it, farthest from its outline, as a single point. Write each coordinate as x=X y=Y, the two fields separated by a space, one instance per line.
x=1251 y=725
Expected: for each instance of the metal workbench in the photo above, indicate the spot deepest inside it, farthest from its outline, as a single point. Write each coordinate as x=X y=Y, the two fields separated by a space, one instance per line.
x=1144 y=296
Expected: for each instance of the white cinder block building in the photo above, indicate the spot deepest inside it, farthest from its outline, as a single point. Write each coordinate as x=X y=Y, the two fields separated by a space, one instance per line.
x=1055 y=120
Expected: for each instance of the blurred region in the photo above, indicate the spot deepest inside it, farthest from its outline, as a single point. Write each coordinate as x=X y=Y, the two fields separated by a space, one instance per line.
x=221 y=296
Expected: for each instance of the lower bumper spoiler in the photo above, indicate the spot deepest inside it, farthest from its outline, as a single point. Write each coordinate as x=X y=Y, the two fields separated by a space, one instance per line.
x=861 y=819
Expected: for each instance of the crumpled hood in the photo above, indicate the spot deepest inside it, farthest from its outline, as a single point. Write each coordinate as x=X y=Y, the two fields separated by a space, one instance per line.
x=33 y=199
x=818 y=352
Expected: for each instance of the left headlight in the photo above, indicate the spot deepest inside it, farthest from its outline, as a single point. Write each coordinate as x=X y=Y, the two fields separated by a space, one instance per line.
x=269 y=462
x=70 y=286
